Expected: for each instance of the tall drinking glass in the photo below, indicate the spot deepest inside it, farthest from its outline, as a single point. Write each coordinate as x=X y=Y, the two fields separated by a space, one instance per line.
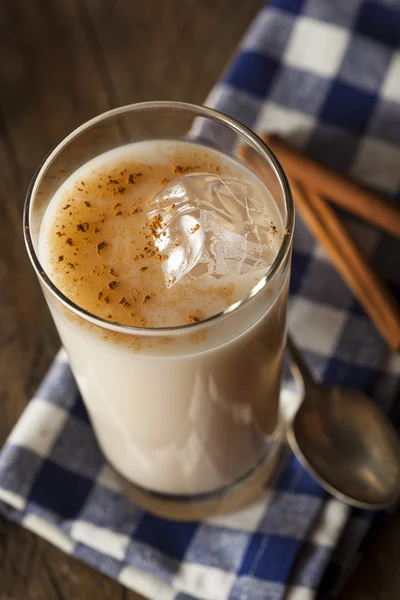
x=188 y=415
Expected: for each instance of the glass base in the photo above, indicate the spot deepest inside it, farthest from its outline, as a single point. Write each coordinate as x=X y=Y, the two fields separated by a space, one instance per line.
x=200 y=506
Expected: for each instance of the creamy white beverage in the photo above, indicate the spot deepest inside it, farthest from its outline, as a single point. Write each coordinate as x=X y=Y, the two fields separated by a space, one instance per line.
x=166 y=235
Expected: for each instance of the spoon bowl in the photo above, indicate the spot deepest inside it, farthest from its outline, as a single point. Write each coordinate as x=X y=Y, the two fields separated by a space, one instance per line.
x=346 y=442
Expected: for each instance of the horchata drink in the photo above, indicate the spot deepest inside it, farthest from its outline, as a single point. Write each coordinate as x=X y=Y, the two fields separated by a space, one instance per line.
x=164 y=259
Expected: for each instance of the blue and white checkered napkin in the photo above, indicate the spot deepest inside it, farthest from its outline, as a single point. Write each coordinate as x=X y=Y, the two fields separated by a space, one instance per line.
x=326 y=76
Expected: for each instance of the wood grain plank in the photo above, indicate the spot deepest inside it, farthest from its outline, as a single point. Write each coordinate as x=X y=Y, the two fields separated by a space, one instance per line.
x=173 y=50
x=377 y=576
x=49 y=83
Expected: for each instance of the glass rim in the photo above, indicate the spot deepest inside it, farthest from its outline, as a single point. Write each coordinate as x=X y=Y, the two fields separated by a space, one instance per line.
x=221 y=118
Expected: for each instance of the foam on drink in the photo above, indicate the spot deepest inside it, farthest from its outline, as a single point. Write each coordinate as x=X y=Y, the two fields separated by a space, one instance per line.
x=110 y=247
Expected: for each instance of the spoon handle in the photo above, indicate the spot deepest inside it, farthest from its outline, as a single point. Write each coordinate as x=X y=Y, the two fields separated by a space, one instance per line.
x=299 y=363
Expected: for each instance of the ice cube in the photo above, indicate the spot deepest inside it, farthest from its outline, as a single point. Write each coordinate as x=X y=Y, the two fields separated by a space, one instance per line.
x=208 y=225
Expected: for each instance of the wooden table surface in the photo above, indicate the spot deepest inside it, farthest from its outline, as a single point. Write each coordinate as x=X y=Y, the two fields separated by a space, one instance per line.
x=61 y=63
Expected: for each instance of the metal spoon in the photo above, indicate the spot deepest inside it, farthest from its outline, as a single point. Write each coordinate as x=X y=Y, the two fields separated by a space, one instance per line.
x=345 y=441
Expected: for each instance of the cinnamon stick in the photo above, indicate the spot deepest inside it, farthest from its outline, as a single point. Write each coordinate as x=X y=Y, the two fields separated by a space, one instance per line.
x=331 y=233
x=366 y=285
x=337 y=188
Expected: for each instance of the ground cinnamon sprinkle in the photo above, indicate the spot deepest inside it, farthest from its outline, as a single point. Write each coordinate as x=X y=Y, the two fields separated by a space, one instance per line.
x=182 y=169
x=195 y=228
x=82 y=226
x=142 y=269
x=193 y=319
x=124 y=302
x=101 y=246
x=155 y=225
x=132 y=177
x=195 y=316
x=113 y=284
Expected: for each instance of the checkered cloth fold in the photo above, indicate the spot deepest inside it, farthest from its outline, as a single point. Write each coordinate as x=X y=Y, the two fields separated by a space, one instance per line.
x=324 y=75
